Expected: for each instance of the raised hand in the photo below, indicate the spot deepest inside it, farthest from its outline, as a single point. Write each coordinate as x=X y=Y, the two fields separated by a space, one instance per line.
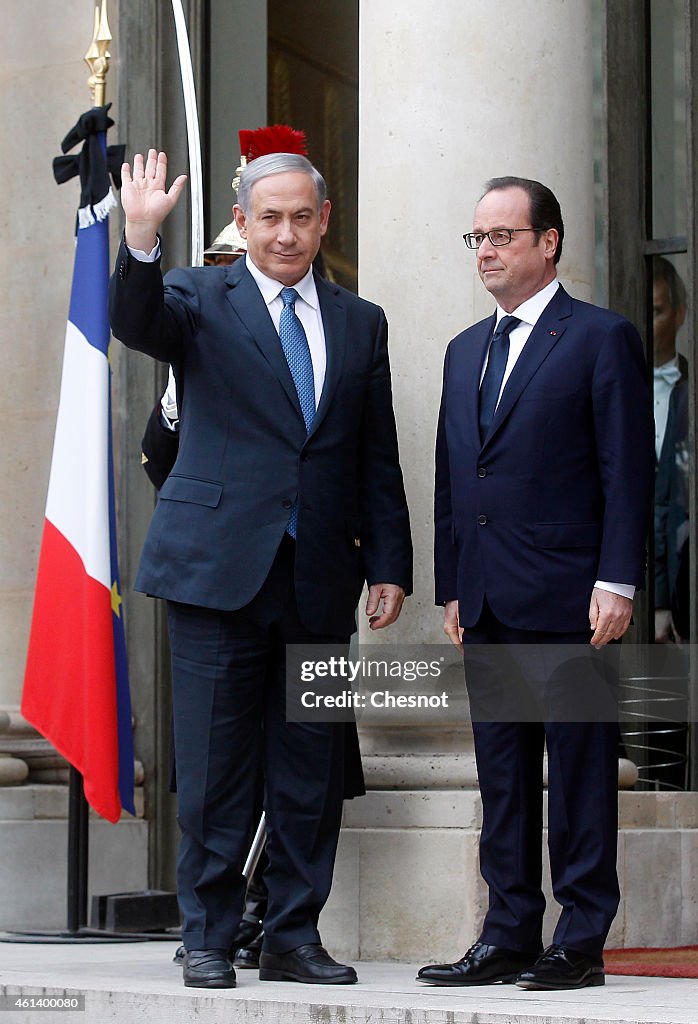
x=145 y=199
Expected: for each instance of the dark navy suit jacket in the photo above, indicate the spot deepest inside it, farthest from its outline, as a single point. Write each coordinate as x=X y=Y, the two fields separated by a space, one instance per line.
x=559 y=494
x=244 y=456
x=671 y=497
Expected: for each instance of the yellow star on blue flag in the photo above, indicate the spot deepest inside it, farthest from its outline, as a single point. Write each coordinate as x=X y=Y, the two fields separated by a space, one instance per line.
x=116 y=599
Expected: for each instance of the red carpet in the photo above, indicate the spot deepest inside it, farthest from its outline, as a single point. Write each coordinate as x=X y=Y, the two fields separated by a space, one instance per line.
x=681 y=962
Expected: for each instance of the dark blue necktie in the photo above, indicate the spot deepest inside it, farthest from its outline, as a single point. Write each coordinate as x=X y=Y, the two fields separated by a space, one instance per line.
x=494 y=374
x=297 y=352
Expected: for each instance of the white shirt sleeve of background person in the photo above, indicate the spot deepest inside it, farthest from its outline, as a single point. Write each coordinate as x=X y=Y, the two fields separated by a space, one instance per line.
x=169 y=414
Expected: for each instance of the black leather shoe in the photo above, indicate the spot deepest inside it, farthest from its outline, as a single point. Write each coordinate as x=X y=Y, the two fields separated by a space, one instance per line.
x=311 y=964
x=558 y=967
x=481 y=965
x=178 y=958
x=208 y=968
x=248 y=956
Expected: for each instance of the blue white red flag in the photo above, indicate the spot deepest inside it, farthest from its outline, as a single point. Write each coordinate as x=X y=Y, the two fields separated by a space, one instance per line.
x=76 y=690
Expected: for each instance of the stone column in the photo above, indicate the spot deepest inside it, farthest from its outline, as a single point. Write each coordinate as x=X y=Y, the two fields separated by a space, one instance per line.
x=451 y=94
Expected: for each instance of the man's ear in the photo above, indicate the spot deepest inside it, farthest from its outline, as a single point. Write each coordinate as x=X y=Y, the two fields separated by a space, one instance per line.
x=550 y=240
x=240 y=220
x=324 y=215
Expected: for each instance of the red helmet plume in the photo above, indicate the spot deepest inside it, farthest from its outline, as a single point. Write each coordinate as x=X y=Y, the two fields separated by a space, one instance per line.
x=276 y=138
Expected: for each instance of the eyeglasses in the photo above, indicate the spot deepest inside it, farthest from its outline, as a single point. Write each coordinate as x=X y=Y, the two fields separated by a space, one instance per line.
x=500 y=236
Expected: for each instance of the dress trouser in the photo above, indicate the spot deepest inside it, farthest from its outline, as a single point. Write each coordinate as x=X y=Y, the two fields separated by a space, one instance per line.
x=582 y=813
x=229 y=696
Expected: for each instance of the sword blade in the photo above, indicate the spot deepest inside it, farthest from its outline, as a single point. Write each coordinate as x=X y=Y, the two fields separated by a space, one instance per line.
x=196 y=182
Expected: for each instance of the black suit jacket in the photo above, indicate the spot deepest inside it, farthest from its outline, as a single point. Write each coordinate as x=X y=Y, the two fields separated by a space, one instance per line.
x=244 y=455
x=559 y=493
x=159 y=448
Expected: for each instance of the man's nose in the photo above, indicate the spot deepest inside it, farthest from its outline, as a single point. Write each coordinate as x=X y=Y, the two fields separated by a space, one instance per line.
x=485 y=248
x=286 y=233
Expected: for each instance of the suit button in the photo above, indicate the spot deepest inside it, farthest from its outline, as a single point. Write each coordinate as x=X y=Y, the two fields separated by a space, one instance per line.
x=482 y=520
x=287 y=503
x=481 y=472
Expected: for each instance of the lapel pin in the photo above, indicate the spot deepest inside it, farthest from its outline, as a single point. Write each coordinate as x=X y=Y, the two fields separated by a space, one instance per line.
x=553 y=334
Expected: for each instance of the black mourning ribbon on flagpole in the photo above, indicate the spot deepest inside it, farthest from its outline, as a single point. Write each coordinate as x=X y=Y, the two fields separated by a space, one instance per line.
x=91 y=163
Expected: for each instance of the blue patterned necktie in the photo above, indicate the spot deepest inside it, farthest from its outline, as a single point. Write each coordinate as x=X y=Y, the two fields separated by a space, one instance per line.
x=297 y=352
x=494 y=374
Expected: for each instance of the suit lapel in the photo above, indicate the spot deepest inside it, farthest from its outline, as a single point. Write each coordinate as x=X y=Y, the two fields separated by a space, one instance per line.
x=245 y=298
x=334 y=323
x=542 y=339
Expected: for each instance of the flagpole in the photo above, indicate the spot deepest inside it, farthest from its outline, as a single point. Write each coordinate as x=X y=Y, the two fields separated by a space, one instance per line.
x=78 y=854
x=97 y=59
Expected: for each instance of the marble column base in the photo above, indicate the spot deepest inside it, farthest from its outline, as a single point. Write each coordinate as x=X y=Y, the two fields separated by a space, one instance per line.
x=13 y=771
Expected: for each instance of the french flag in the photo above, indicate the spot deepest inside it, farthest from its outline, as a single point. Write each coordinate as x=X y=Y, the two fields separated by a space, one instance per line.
x=76 y=690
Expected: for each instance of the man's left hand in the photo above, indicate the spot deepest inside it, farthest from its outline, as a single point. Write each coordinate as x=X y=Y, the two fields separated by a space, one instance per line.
x=609 y=616
x=392 y=597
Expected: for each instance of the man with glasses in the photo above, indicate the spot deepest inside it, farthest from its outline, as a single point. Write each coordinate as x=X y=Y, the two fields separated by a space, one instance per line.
x=544 y=472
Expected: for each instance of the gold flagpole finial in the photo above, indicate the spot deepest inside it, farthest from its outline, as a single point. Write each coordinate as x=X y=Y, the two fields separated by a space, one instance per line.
x=97 y=56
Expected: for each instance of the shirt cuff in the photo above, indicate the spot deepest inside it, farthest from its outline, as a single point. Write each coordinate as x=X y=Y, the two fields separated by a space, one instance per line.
x=622 y=589
x=146 y=257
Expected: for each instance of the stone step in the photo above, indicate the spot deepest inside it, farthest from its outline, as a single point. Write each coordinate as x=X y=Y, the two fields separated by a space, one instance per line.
x=123 y=983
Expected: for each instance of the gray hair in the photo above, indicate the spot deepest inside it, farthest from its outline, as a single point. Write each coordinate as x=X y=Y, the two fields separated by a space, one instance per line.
x=277 y=163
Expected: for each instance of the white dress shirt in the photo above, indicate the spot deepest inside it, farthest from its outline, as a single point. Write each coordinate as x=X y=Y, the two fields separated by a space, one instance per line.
x=307 y=311
x=666 y=377
x=529 y=313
